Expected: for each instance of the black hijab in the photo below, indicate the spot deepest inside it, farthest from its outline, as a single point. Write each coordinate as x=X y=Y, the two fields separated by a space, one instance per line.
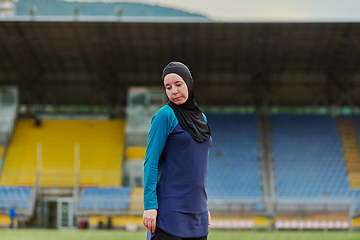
x=188 y=114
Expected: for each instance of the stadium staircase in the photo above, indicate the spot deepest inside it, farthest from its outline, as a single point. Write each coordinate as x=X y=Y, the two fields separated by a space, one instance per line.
x=8 y=115
x=138 y=121
x=350 y=145
x=137 y=128
x=266 y=164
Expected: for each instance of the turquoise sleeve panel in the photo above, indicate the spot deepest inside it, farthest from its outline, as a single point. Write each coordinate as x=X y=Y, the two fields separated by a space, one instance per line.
x=204 y=117
x=162 y=124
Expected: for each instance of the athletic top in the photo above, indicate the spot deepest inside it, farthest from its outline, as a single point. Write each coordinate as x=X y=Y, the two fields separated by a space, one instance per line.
x=12 y=213
x=175 y=174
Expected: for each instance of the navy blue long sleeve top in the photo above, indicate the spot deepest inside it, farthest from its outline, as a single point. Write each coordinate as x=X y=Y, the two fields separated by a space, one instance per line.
x=175 y=175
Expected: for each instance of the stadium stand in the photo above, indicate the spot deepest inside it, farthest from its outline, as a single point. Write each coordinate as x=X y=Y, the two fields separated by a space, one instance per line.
x=356 y=169
x=135 y=153
x=308 y=158
x=23 y=198
x=4 y=221
x=100 y=147
x=102 y=199
x=355 y=223
x=348 y=137
x=15 y=196
x=233 y=161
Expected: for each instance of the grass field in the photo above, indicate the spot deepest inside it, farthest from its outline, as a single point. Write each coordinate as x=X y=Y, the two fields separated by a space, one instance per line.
x=35 y=234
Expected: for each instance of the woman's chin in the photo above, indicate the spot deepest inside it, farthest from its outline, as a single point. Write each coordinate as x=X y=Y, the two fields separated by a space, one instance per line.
x=179 y=103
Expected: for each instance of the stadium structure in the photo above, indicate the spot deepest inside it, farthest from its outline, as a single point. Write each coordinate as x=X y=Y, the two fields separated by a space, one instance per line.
x=78 y=94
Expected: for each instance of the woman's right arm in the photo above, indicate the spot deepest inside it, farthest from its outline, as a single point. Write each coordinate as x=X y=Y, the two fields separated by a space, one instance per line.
x=161 y=126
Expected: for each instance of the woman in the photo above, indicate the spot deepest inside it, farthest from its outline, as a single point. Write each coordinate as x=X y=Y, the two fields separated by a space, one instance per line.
x=176 y=162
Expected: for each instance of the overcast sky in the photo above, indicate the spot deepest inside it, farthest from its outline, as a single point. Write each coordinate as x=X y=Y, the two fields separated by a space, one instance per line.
x=257 y=10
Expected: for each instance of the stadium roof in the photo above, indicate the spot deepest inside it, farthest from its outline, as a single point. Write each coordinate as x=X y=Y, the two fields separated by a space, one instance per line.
x=72 y=61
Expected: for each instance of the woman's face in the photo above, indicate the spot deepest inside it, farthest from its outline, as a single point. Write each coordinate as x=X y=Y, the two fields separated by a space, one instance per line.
x=176 y=88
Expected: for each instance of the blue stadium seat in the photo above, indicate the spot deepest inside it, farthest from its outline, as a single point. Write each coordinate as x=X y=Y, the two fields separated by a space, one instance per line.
x=18 y=196
x=308 y=157
x=104 y=198
x=233 y=160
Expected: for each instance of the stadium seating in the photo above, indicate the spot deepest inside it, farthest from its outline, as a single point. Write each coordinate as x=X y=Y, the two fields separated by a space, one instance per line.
x=351 y=150
x=4 y=221
x=100 y=153
x=15 y=196
x=233 y=162
x=355 y=161
x=135 y=153
x=2 y=149
x=104 y=198
x=355 y=223
x=308 y=158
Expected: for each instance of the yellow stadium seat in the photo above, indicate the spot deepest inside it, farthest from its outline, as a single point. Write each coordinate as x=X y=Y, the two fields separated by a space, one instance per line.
x=97 y=144
x=4 y=221
x=135 y=153
x=353 y=166
x=355 y=222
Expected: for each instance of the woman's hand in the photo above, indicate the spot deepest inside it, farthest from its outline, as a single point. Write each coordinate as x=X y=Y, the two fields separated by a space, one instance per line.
x=149 y=219
x=209 y=218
